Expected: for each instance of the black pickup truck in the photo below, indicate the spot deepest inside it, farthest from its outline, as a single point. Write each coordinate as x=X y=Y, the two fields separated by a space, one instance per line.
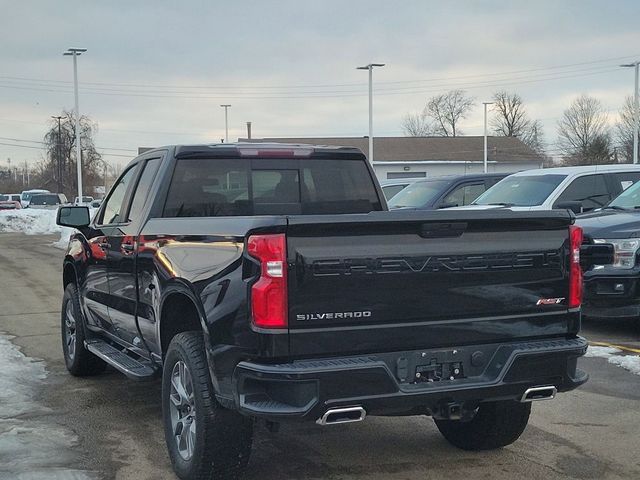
x=270 y=282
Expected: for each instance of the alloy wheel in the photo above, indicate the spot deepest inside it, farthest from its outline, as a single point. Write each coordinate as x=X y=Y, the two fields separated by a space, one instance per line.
x=70 y=330
x=183 y=410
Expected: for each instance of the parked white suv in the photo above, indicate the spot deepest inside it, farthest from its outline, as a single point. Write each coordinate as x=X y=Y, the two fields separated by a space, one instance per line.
x=25 y=196
x=577 y=188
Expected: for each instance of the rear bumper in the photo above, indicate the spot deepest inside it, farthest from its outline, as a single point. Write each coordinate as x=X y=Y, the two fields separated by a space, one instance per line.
x=398 y=383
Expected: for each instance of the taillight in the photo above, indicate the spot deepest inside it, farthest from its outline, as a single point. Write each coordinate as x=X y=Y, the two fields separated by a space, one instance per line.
x=575 y=272
x=269 y=293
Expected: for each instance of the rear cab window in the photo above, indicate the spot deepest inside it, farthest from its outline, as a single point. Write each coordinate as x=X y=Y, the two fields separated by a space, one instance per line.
x=211 y=187
x=45 y=199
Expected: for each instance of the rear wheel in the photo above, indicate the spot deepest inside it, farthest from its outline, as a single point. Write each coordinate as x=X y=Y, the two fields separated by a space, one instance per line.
x=205 y=440
x=495 y=425
x=79 y=361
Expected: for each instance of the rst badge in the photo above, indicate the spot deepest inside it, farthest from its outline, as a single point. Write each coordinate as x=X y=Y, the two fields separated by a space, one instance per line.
x=550 y=301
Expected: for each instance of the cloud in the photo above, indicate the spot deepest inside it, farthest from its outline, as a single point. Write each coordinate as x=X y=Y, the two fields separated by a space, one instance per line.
x=239 y=48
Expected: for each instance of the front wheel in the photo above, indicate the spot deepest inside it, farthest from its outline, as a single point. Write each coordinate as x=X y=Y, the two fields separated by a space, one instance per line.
x=495 y=425
x=79 y=361
x=205 y=440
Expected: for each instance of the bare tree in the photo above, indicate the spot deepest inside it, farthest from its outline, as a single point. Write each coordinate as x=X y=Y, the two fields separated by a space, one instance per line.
x=59 y=167
x=583 y=136
x=624 y=130
x=510 y=119
x=447 y=110
x=533 y=136
x=416 y=125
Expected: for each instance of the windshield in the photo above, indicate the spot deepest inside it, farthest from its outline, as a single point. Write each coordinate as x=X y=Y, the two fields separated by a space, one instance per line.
x=45 y=200
x=630 y=198
x=521 y=190
x=418 y=194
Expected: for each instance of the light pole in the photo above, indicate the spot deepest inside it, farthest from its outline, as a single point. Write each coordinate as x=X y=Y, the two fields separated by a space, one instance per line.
x=485 y=135
x=59 y=152
x=75 y=52
x=636 y=113
x=370 y=68
x=226 y=122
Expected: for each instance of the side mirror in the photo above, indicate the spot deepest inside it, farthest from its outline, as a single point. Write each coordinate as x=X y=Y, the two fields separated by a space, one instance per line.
x=76 y=217
x=575 y=207
x=447 y=205
x=599 y=254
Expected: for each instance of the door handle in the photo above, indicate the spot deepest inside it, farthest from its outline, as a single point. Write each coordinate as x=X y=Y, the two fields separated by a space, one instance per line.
x=127 y=247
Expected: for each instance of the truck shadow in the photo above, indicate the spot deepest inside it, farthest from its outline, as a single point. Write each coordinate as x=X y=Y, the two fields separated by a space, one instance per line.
x=611 y=330
x=384 y=448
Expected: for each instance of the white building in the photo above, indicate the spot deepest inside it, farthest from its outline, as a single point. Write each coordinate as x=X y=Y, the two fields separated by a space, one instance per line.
x=411 y=157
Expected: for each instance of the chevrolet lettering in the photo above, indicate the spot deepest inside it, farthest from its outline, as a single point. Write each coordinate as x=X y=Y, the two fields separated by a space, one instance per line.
x=353 y=266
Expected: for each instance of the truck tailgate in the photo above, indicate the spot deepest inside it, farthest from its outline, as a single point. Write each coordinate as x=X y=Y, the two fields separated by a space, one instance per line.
x=401 y=280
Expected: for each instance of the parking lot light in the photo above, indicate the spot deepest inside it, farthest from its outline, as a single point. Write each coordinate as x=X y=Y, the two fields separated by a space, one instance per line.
x=636 y=112
x=75 y=52
x=485 y=135
x=370 y=68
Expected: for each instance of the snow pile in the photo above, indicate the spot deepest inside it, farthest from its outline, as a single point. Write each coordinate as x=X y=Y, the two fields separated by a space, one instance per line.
x=19 y=376
x=628 y=362
x=65 y=234
x=601 y=352
x=30 y=221
x=32 y=446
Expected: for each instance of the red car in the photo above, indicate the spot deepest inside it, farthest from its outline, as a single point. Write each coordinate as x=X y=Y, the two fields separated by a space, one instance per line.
x=10 y=205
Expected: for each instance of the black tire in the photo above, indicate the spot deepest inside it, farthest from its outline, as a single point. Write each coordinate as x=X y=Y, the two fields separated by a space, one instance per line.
x=495 y=425
x=222 y=441
x=79 y=361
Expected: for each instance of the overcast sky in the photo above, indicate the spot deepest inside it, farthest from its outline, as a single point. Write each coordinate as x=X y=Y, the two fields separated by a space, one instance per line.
x=156 y=71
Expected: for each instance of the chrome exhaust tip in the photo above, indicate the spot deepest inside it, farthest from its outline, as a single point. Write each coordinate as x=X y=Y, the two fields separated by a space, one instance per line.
x=335 y=416
x=535 y=394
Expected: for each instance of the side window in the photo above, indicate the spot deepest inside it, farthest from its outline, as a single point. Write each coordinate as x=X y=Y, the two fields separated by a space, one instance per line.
x=464 y=194
x=591 y=190
x=391 y=190
x=208 y=188
x=624 y=180
x=113 y=206
x=142 y=189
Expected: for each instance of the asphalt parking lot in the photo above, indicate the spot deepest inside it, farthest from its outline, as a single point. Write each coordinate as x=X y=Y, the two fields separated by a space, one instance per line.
x=109 y=427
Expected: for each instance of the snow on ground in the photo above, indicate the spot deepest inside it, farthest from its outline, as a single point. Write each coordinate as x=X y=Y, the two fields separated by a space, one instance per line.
x=32 y=221
x=628 y=362
x=31 y=447
x=19 y=373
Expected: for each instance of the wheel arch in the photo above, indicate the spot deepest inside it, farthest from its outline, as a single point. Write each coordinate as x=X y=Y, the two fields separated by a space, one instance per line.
x=69 y=274
x=180 y=300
